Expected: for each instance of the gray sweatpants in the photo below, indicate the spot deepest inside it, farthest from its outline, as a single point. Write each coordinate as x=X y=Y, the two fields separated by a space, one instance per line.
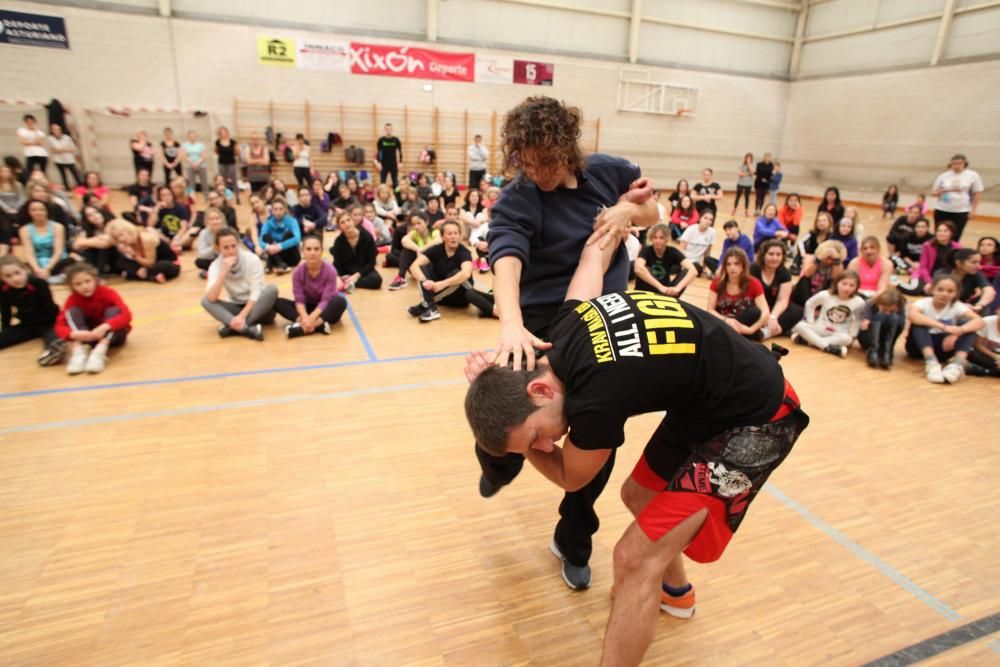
x=262 y=312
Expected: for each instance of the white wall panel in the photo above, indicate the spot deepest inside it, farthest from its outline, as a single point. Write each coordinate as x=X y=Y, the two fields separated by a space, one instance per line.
x=532 y=28
x=387 y=16
x=974 y=34
x=906 y=45
x=840 y=15
x=680 y=46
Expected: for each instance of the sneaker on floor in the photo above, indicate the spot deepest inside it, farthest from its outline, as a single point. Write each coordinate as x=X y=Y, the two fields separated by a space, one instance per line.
x=417 y=310
x=226 y=332
x=98 y=359
x=399 y=282
x=349 y=288
x=796 y=338
x=576 y=577
x=57 y=280
x=295 y=330
x=325 y=329
x=281 y=269
x=53 y=353
x=253 y=332
x=933 y=371
x=77 y=361
x=838 y=350
x=330 y=227
x=953 y=372
x=203 y=274
x=431 y=314
x=487 y=489
x=678 y=607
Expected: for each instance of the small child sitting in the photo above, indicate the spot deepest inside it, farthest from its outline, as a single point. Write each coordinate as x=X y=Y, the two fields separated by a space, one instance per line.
x=94 y=315
x=29 y=299
x=836 y=326
x=736 y=238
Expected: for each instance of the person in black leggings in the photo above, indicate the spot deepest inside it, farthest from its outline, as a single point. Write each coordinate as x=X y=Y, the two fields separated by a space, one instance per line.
x=354 y=256
x=536 y=237
x=762 y=182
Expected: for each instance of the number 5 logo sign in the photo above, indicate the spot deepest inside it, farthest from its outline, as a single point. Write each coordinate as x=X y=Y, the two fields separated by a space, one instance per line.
x=533 y=73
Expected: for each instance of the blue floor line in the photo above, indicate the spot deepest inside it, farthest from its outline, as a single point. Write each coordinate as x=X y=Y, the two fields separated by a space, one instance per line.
x=218 y=407
x=232 y=374
x=898 y=577
x=369 y=350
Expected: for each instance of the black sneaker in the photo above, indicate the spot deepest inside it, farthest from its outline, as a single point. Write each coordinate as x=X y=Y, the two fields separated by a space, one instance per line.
x=430 y=315
x=254 y=332
x=53 y=353
x=577 y=577
x=226 y=332
x=487 y=489
x=873 y=360
x=417 y=310
x=295 y=330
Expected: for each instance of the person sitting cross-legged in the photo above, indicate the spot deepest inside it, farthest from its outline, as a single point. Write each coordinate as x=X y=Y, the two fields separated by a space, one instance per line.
x=732 y=418
x=444 y=274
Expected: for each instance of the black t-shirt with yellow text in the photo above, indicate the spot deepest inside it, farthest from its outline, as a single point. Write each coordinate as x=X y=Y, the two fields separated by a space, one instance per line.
x=628 y=353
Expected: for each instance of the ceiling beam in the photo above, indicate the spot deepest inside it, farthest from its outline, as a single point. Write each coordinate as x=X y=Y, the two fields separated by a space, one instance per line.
x=944 y=27
x=635 y=22
x=800 y=32
x=432 y=20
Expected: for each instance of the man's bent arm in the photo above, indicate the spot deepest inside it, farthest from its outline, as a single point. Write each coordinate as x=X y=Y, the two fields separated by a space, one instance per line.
x=569 y=467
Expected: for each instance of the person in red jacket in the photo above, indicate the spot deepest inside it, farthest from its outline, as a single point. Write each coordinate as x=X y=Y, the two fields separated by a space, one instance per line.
x=94 y=315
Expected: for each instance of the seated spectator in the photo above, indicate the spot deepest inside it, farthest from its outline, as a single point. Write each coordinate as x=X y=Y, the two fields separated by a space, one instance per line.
x=385 y=204
x=435 y=214
x=367 y=193
x=984 y=358
x=737 y=298
x=318 y=304
x=822 y=230
x=141 y=197
x=218 y=201
x=882 y=322
x=819 y=270
x=371 y=223
x=94 y=245
x=873 y=270
x=172 y=219
x=768 y=227
x=396 y=248
x=492 y=194
x=844 y=232
x=736 y=238
x=696 y=244
x=684 y=215
x=259 y=214
x=973 y=288
x=683 y=190
x=44 y=244
x=354 y=256
x=942 y=329
x=413 y=204
x=308 y=212
x=478 y=239
x=58 y=210
x=142 y=254
x=449 y=194
x=220 y=185
x=471 y=212
x=854 y=215
x=921 y=203
x=214 y=222
x=321 y=198
x=907 y=258
x=183 y=194
x=92 y=185
x=661 y=268
x=790 y=216
x=769 y=269
x=240 y=272
x=902 y=230
x=343 y=201
x=12 y=197
x=93 y=319
x=835 y=326
x=831 y=204
x=444 y=273
x=424 y=190
x=934 y=253
x=280 y=237
x=30 y=298
x=416 y=238
x=331 y=186
x=283 y=191
x=988 y=246
x=355 y=189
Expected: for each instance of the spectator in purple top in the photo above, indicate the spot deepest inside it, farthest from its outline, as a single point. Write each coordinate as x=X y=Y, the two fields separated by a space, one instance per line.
x=318 y=303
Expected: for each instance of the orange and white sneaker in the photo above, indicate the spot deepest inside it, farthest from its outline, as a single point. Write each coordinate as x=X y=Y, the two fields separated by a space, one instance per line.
x=678 y=607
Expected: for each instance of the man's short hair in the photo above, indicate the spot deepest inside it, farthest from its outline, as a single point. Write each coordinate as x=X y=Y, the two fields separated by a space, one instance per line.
x=498 y=401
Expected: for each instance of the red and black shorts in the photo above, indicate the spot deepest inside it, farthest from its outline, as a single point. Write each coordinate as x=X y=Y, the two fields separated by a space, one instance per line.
x=691 y=468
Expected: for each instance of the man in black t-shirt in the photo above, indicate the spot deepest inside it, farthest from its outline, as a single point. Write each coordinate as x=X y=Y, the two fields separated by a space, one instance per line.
x=387 y=149
x=707 y=193
x=732 y=418
x=444 y=273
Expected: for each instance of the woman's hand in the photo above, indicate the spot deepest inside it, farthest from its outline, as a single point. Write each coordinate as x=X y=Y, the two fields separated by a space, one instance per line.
x=613 y=224
x=774 y=328
x=514 y=341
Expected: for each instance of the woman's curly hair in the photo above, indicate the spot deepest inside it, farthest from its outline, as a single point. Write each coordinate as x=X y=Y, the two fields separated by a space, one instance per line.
x=547 y=126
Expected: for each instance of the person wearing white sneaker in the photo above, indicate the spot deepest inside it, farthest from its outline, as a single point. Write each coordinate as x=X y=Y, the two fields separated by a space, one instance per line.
x=94 y=315
x=839 y=319
x=444 y=274
x=942 y=328
x=241 y=273
x=317 y=304
x=729 y=425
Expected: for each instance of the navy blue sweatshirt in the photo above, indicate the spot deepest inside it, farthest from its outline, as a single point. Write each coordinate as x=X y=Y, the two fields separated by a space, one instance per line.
x=33 y=303
x=547 y=230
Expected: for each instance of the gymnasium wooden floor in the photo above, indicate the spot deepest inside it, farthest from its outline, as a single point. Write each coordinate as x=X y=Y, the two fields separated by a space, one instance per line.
x=314 y=502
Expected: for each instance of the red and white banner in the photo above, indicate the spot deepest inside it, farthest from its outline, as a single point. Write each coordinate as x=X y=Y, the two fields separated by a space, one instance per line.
x=411 y=62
